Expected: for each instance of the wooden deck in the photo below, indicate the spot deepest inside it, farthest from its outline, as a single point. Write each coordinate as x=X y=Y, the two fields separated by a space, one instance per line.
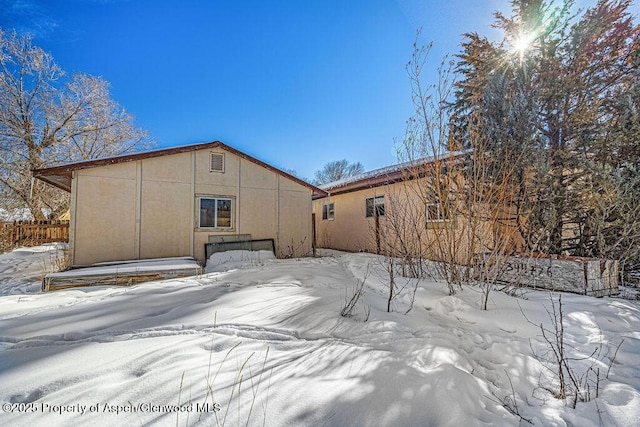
x=125 y=273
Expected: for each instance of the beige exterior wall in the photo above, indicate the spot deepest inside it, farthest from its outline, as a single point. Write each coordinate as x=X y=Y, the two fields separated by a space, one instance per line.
x=149 y=208
x=350 y=230
x=404 y=227
x=107 y=226
x=165 y=207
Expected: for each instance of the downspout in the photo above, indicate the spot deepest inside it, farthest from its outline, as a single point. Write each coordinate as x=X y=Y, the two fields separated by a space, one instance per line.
x=138 y=212
x=72 y=218
x=278 y=249
x=192 y=210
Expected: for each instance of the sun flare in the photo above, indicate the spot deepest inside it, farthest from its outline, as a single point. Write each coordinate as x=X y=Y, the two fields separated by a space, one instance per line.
x=522 y=43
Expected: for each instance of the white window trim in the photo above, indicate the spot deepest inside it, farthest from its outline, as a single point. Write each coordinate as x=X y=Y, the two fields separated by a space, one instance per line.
x=375 y=210
x=332 y=210
x=439 y=210
x=216 y=198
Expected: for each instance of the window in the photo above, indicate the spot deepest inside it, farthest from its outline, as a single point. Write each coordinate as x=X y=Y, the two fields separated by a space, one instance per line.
x=438 y=213
x=216 y=163
x=215 y=212
x=375 y=206
x=327 y=211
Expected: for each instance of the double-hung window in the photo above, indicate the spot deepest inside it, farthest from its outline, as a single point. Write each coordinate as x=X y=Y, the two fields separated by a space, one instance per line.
x=374 y=206
x=215 y=212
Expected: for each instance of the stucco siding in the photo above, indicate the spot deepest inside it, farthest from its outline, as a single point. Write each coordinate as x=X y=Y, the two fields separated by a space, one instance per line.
x=150 y=208
x=213 y=189
x=288 y=185
x=253 y=176
x=105 y=220
x=165 y=207
x=403 y=229
x=350 y=230
x=165 y=225
x=294 y=222
x=175 y=168
x=205 y=177
x=258 y=213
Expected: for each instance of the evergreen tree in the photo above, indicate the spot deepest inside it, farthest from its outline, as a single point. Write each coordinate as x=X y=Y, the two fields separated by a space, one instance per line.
x=556 y=98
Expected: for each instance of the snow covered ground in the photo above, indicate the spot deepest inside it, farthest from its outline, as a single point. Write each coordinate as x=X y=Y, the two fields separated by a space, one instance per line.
x=261 y=341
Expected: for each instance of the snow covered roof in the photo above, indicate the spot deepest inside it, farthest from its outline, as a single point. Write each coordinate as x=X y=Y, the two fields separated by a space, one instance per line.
x=374 y=173
x=385 y=175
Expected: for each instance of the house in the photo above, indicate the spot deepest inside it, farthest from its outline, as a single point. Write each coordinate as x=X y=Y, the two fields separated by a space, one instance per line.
x=427 y=210
x=171 y=202
x=413 y=209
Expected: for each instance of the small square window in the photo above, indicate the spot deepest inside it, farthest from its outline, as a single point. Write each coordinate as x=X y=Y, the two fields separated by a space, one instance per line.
x=215 y=212
x=437 y=212
x=328 y=211
x=374 y=206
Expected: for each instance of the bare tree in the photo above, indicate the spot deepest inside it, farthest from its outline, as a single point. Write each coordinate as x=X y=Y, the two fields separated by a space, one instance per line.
x=48 y=119
x=337 y=170
x=460 y=202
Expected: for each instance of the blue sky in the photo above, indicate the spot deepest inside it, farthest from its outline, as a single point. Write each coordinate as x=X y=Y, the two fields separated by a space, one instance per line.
x=295 y=83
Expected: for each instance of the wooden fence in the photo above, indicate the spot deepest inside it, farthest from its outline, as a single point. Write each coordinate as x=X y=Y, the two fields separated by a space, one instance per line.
x=34 y=233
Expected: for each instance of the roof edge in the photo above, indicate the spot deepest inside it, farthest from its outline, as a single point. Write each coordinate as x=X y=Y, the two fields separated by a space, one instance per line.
x=405 y=171
x=60 y=176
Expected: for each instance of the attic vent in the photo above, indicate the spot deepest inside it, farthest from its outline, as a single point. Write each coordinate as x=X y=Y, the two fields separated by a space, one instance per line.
x=217 y=162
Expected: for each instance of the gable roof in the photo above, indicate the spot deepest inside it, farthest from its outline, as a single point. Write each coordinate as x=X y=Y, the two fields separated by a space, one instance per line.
x=60 y=176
